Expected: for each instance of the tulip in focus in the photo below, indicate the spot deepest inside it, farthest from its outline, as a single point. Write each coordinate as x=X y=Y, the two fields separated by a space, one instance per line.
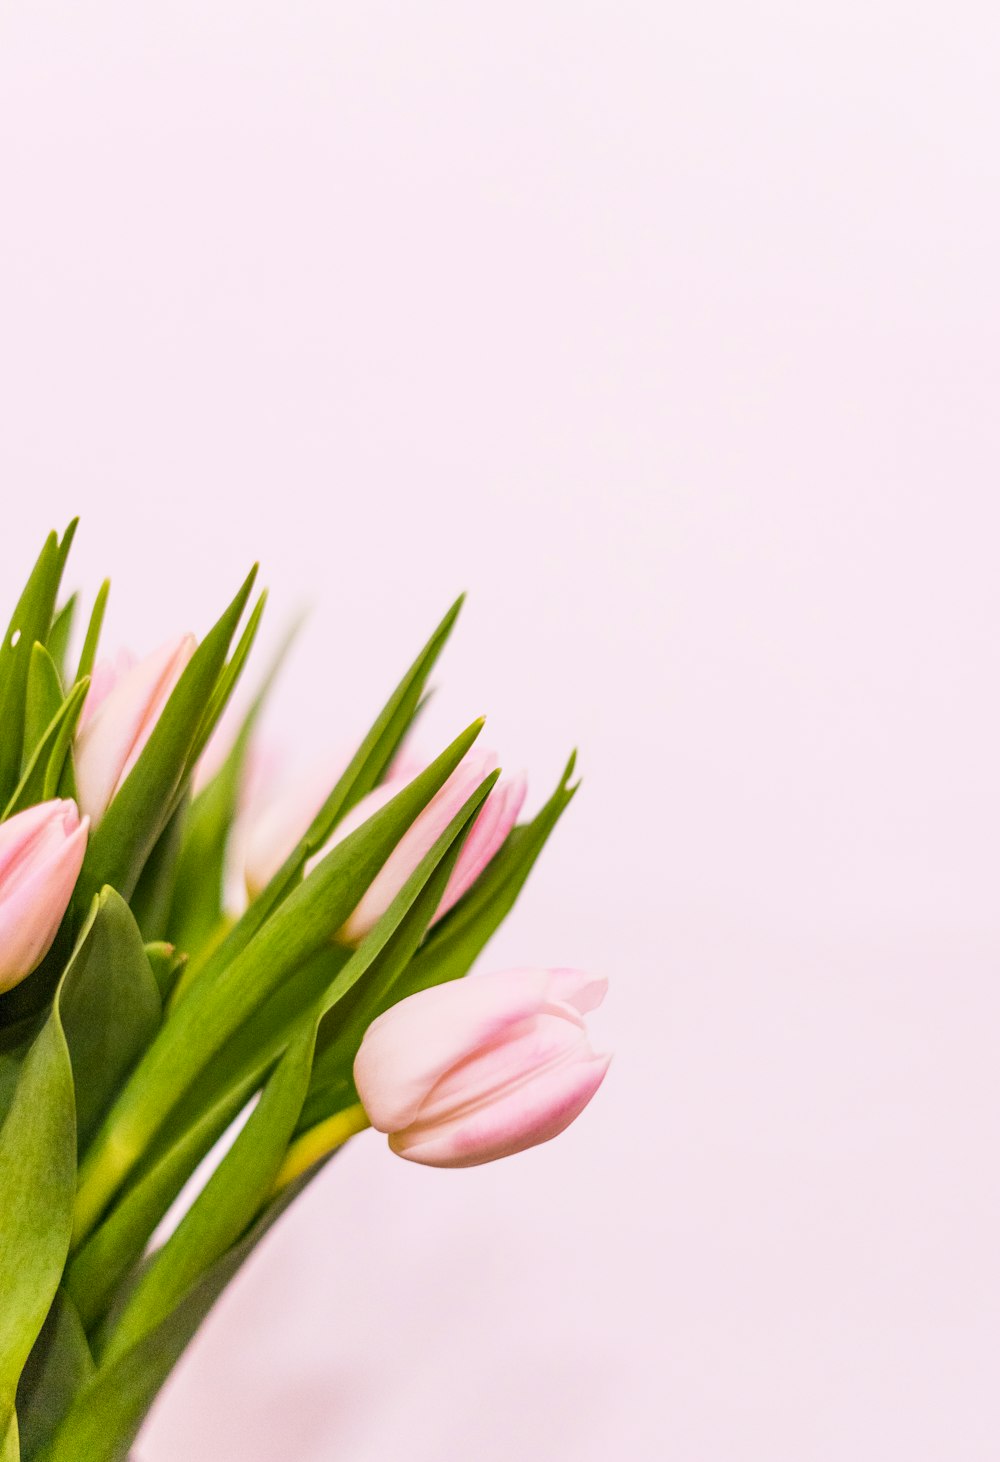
x=480 y=1068
x=280 y=827
x=124 y=705
x=41 y=852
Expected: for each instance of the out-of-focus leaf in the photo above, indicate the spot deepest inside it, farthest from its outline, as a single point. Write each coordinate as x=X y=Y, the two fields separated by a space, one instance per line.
x=202 y=1023
x=364 y=770
x=30 y=622
x=126 y=834
x=37 y=1181
x=59 y=1366
x=110 y=1005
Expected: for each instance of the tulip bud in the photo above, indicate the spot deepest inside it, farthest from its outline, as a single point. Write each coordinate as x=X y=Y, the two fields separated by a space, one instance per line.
x=280 y=819
x=41 y=852
x=282 y=823
x=128 y=706
x=476 y=1069
x=487 y=835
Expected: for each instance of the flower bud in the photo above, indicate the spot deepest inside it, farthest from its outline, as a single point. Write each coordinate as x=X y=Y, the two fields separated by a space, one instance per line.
x=116 y=727
x=487 y=835
x=277 y=829
x=41 y=852
x=480 y=1068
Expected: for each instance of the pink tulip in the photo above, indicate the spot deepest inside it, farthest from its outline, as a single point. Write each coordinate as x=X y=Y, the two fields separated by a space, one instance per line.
x=128 y=705
x=280 y=819
x=481 y=1068
x=486 y=837
x=41 y=852
x=276 y=830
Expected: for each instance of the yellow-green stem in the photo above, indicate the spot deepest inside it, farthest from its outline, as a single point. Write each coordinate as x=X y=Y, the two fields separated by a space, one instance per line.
x=319 y=1142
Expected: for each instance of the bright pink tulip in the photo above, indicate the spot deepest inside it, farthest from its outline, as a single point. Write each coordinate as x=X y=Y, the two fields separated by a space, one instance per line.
x=41 y=851
x=481 y=1068
x=117 y=728
x=486 y=837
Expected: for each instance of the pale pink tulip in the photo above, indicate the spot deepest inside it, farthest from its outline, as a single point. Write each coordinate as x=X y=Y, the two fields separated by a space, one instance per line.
x=41 y=852
x=103 y=679
x=275 y=830
x=486 y=837
x=279 y=817
x=480 y=1068
x=114 y=734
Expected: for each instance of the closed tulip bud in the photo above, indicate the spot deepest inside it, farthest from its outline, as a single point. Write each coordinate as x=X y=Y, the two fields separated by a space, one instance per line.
x=41 y=852
x=278 y=820
x=480 y=1068
x=485 y=839
x=279 y=826
x=116 y=728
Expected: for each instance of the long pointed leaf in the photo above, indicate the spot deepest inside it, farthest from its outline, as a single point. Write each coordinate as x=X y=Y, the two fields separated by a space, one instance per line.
x=204 y=1021
x=126 y=834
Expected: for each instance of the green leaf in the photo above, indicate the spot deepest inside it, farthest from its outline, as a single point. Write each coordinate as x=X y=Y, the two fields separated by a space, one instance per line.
x=44 y=771
x=99 y=1268
x=196 y=912
x=354 y=1003
x=214 y=1010
x=150 y=903
x=457 y=940
x=10 y=1451
x=59 y=1366
x=225 y=1208
x=43 y=697
x=363 y=772
x=89 y=652
x=115 y=1245
x=37 y=1181
x=30 y=622
x=227 y=680
x=16 y=1040
x=57 y=643
x=107 y=1414
x=166 y=961
x=110 y=1005
x=126 y=834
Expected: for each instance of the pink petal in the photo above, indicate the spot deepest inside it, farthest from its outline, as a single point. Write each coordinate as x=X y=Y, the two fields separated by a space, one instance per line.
x=525 y=1116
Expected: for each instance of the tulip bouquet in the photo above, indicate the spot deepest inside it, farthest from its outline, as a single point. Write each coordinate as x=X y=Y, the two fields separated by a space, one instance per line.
x=144 y=1019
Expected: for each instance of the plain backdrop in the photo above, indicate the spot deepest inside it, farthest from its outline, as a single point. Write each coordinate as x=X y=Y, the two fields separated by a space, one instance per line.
x=671 y=333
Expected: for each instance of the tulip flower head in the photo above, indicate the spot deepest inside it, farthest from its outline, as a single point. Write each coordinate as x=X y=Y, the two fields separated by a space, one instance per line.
x=277 y=829
x=41 y=853
x=487 y=835
x=127 y=704
x=480 y=1068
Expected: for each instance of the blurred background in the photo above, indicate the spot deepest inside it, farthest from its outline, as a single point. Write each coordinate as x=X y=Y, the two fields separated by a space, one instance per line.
x=671 y=333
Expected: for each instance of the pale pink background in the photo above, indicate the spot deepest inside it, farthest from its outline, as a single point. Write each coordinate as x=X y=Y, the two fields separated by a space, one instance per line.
x=671 y=331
